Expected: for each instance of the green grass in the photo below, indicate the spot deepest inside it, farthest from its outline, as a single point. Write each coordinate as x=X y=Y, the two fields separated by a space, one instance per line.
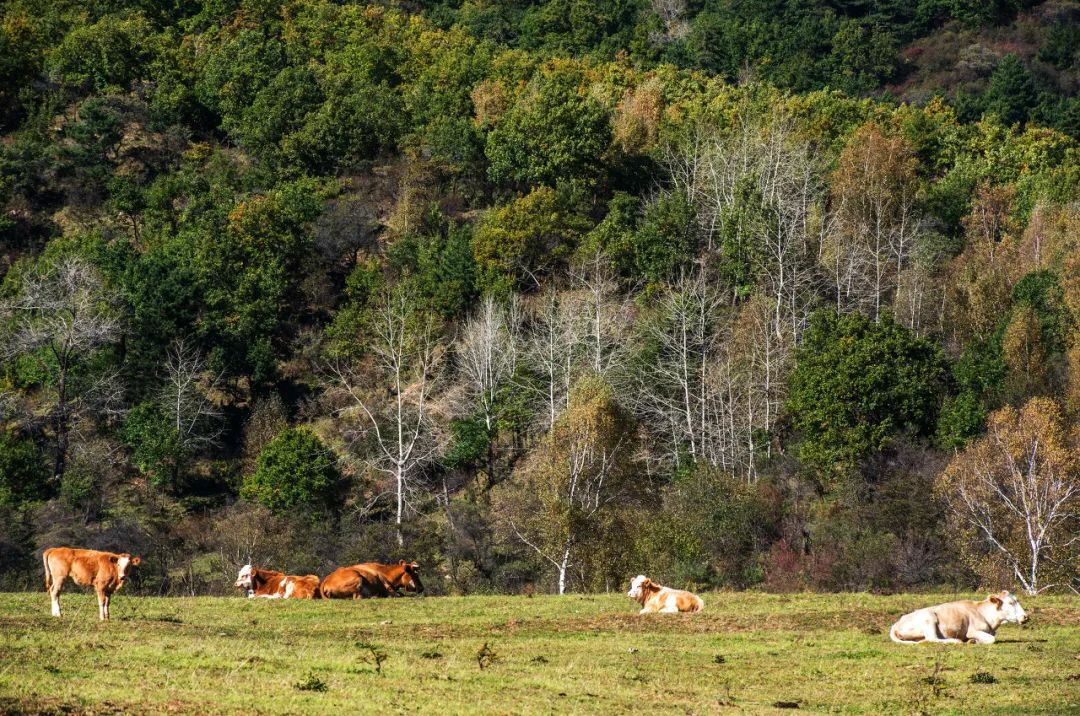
x=579 y=653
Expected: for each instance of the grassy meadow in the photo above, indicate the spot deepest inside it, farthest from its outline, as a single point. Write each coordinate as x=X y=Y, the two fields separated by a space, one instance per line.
x=573 y=654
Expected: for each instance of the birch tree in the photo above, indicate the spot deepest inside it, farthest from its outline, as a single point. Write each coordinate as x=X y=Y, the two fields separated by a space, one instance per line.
x=181 y=420
x=391 y=393
x=605 y=315
x=1014 y=497
x=553 y=346
x=764 y=163
x=674 y=393
x=576 y=474
x=877 y=222
x=488 y=357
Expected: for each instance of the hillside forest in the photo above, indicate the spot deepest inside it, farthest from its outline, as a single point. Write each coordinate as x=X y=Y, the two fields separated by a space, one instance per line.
x=544 y=294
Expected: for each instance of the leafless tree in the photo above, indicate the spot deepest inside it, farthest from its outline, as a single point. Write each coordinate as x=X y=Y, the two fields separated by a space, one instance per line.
x=553 y=346
x=488 y=352
x=187 y=397
x=673 y=394
x=488 y=355
x=605 y=313
x=709 y=166
x=392 y=392
x=60 y=317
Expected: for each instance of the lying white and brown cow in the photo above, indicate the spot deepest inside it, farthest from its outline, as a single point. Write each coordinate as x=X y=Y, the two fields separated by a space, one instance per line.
x=105 y=571
x=959 y=622
x=276 y=585
x=656 y=598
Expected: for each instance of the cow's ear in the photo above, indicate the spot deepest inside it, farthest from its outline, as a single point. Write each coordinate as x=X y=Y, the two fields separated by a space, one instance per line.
x=996 y=600
x=646 y=583
x=401 y=562
x=114 y=558
x=136 y=561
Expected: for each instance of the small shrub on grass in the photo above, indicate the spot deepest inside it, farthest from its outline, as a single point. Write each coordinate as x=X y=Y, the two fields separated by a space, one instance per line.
x=983 y=677
x=486 y=656
x=311 y=683
x=375 y=653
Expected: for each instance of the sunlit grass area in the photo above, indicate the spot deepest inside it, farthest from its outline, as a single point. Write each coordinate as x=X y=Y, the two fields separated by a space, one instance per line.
x=578 y=653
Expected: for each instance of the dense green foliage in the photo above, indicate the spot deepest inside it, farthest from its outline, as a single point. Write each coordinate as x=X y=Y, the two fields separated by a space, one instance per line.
x=294 y=470
x=857 y=383
x=274 y=264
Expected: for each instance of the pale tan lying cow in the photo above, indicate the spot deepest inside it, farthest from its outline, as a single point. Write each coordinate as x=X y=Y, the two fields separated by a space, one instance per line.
x=276 y=585
x=656 y=598
x=959 y=622
x=105 y=571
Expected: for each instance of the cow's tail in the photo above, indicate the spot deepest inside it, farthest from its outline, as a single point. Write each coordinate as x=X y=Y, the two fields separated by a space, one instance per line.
x=48 y=572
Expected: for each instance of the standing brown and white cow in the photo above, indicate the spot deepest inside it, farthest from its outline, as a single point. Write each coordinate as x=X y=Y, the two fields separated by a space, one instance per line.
x=276 y=585
x=106 y=571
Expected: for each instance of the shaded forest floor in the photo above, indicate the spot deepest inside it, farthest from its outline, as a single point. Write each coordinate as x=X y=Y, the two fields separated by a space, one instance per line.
x=579 y=653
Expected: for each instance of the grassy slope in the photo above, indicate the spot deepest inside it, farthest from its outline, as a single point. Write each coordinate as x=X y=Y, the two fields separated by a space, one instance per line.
x=576 y=653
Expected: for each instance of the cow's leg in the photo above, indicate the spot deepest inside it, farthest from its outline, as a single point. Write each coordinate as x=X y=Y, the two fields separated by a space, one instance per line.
x=54 y=594
x=930 y=633
x=981 y=637
x=103 y=605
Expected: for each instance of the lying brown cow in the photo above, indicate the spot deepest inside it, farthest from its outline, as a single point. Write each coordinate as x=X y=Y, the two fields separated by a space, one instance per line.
x=106 y=571
x=958 y=622
x=276 y=585
x=391 y=578
x=347 y=583
x=371 y=579
x=656 y=598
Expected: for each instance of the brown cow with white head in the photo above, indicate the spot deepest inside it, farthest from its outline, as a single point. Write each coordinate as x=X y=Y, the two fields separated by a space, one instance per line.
x=269 y=584
x=105 y=571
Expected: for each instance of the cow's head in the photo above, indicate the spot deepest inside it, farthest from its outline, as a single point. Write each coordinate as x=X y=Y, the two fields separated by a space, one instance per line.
x=410 y=577
x=640 y=586
x=1008 y=607
x=124 y=562
x=245 y=579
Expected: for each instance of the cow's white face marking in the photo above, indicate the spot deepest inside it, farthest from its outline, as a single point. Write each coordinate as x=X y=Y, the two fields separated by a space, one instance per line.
x=121 y=567
x=635 y=586
x=1011 y=609
x=244 y=578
